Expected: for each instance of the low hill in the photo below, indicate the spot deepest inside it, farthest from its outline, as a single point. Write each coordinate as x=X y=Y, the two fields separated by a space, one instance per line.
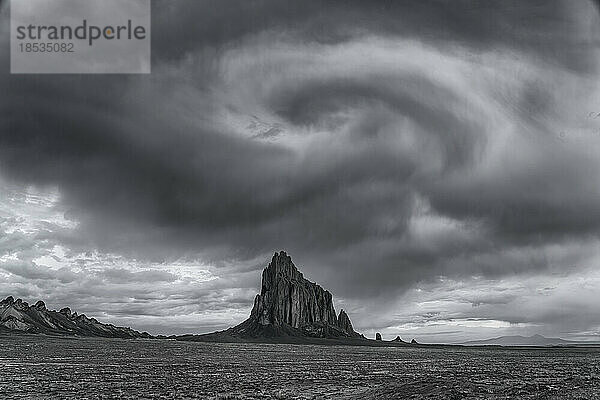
x=536 y=340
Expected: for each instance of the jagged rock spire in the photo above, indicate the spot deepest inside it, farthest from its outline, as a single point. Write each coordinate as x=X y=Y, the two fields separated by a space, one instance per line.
x=280 y=267
x=343 y=322
x=287 y=299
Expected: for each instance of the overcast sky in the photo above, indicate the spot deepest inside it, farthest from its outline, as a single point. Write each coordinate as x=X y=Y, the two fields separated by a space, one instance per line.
x=434 y=164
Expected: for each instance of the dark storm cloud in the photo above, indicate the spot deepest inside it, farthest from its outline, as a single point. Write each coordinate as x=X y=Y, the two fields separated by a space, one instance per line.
x=395 y=142
x=538 y=26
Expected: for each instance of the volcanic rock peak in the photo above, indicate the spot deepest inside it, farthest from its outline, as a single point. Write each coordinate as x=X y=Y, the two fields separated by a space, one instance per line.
x=280 y=267
x=287 y=299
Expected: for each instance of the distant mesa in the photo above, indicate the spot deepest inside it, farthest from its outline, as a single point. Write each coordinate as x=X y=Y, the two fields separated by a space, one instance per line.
x=17 y=316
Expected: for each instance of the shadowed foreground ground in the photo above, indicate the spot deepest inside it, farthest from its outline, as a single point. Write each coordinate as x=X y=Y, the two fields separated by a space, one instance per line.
x=45 y=367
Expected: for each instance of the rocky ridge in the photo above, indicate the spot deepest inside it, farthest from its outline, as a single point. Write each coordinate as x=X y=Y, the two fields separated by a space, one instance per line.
x=17 y=316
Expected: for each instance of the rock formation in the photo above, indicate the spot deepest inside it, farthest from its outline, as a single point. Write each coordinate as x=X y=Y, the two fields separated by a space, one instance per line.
x=343 y=322
x=378 y=336
x=18 y=316
x=290 y=305
x=291 y=309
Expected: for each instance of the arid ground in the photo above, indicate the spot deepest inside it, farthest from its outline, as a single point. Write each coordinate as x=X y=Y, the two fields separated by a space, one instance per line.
x=58 y=368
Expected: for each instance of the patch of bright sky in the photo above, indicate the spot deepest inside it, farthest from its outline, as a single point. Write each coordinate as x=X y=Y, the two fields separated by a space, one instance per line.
x=58 y=257
x=30 y=211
